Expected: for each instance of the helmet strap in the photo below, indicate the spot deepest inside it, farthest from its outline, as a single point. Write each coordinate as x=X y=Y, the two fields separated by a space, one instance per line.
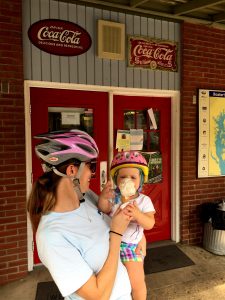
x=141 y=180
x=76 y=186
x=76 y=182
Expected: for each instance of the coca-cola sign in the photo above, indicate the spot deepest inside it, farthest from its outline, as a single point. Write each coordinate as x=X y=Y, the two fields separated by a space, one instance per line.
x=59 y=37
x=153 y=54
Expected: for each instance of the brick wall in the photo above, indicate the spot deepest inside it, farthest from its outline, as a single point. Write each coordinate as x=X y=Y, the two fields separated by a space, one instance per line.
x=13 y=227
x=203 y=59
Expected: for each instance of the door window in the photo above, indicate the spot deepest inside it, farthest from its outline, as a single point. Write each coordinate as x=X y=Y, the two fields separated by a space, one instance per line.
x=61 y=118
x=139 y=119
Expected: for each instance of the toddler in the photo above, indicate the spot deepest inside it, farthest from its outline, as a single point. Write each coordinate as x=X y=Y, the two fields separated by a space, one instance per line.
x=129 y=171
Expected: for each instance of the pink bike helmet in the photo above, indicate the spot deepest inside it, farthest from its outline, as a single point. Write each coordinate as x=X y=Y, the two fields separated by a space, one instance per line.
x=131 y=159
x=60 y=146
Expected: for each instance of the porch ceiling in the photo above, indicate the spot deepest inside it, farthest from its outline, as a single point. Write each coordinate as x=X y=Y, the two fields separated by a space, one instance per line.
x=211 y=12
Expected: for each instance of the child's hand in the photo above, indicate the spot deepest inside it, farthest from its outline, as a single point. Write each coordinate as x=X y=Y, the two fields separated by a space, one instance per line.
x=132 y=210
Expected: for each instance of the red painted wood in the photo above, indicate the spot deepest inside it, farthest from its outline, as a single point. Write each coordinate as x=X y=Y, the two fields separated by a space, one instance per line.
x=160 y=193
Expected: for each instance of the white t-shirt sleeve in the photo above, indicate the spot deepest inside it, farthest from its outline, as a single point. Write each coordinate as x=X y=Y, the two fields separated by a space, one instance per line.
x=66 y=265
x=147 y=205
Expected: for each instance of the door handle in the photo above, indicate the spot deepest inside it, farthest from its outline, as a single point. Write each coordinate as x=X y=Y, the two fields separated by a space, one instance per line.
x=103 y=174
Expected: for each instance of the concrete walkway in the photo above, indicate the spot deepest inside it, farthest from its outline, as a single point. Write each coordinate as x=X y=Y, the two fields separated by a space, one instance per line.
x=203 y=281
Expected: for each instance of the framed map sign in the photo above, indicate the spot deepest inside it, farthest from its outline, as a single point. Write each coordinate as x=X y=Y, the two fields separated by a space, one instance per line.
x=211 y=143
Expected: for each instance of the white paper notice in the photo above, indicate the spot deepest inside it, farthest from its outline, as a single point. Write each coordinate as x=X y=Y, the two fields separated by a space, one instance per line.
x=70 y=118
x=136 y=139
x=152 y=119
x=123 y=140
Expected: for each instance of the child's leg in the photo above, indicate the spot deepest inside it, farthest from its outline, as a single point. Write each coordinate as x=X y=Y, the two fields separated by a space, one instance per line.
x=137 y=279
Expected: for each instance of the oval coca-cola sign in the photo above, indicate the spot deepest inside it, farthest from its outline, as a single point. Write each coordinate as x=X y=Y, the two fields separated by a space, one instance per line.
x=59 y=37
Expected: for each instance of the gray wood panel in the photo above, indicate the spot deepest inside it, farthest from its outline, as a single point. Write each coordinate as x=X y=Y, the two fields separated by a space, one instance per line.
x=55 y=60
x=36 y=61
x=45 y=57
x=90 y=27
x=88 y=68
x=72 y=17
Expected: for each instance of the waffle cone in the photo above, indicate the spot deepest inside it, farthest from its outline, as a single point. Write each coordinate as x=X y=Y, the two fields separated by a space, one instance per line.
x=123 y=199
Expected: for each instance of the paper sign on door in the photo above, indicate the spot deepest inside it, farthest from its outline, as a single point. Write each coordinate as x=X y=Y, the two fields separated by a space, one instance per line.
x=123 y=140
x=153 y=124
x=128 y=140
x=136 y=139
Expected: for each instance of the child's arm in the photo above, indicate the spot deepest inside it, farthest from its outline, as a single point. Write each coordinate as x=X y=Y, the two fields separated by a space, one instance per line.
x=104 y=203
x=146 y=220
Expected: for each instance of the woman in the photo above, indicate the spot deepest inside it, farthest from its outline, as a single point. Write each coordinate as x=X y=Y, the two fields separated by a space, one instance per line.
x=75 y=241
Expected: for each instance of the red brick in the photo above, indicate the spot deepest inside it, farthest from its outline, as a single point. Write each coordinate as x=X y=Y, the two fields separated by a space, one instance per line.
x=201 y=69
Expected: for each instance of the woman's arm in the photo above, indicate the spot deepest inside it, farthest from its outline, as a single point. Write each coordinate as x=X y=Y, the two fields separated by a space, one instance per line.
x=100 y=286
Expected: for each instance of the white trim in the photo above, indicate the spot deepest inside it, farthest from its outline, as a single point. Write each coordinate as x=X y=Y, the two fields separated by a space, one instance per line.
x=175 y=168
x=29 y=180
x=175 y=141
x=111 y=137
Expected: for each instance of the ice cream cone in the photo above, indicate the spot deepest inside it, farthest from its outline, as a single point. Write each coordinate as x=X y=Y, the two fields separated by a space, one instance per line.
x=127 y=189
x=123 y=199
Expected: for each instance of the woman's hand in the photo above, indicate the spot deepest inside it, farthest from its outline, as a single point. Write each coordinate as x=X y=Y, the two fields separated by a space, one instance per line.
x=120 y=221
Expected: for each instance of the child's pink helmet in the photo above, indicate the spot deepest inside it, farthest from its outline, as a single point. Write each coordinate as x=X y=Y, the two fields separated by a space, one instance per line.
x=129 y=159
x=61 y=146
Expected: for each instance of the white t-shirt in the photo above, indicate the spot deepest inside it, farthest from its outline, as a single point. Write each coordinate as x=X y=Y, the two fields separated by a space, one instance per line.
x=74 y=245
x=134 y=231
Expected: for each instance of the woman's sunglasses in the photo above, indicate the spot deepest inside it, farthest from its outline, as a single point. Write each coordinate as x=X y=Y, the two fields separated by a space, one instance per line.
x=92 y=165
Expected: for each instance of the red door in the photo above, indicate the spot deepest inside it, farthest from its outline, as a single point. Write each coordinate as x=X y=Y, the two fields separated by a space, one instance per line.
x=131 y=112
x=56 y=109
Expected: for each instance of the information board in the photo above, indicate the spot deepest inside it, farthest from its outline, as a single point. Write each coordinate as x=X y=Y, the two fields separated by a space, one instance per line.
x=211 y=140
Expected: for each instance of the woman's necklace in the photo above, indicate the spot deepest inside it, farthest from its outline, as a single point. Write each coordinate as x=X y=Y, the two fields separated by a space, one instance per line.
x=87 y=217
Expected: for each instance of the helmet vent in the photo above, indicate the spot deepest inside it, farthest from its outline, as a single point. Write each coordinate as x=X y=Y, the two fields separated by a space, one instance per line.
x=59 y=147
x=85 y=148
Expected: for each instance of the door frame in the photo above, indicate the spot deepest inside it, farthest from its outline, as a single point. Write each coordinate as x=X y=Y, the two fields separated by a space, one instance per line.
x=175 y=143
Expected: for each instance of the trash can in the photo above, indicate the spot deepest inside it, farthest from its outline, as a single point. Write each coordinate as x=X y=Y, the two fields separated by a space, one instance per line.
x=214 y=227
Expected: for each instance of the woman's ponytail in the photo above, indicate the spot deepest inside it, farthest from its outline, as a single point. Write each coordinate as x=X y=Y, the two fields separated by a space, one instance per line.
x=42 y=197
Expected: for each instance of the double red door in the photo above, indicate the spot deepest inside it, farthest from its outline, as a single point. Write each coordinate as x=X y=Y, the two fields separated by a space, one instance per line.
x=57 y=109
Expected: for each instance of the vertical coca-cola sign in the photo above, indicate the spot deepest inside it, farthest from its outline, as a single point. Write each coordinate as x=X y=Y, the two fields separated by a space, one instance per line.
x=151 y=53
x=59 y=37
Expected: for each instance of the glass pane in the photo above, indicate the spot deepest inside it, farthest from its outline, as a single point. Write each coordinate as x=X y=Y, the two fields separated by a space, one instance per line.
x=154 y=141
x=141 y=120
x=146 y=141
x=157 y=118
x=87 y=121
x=63 y=118
x=129 y=119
